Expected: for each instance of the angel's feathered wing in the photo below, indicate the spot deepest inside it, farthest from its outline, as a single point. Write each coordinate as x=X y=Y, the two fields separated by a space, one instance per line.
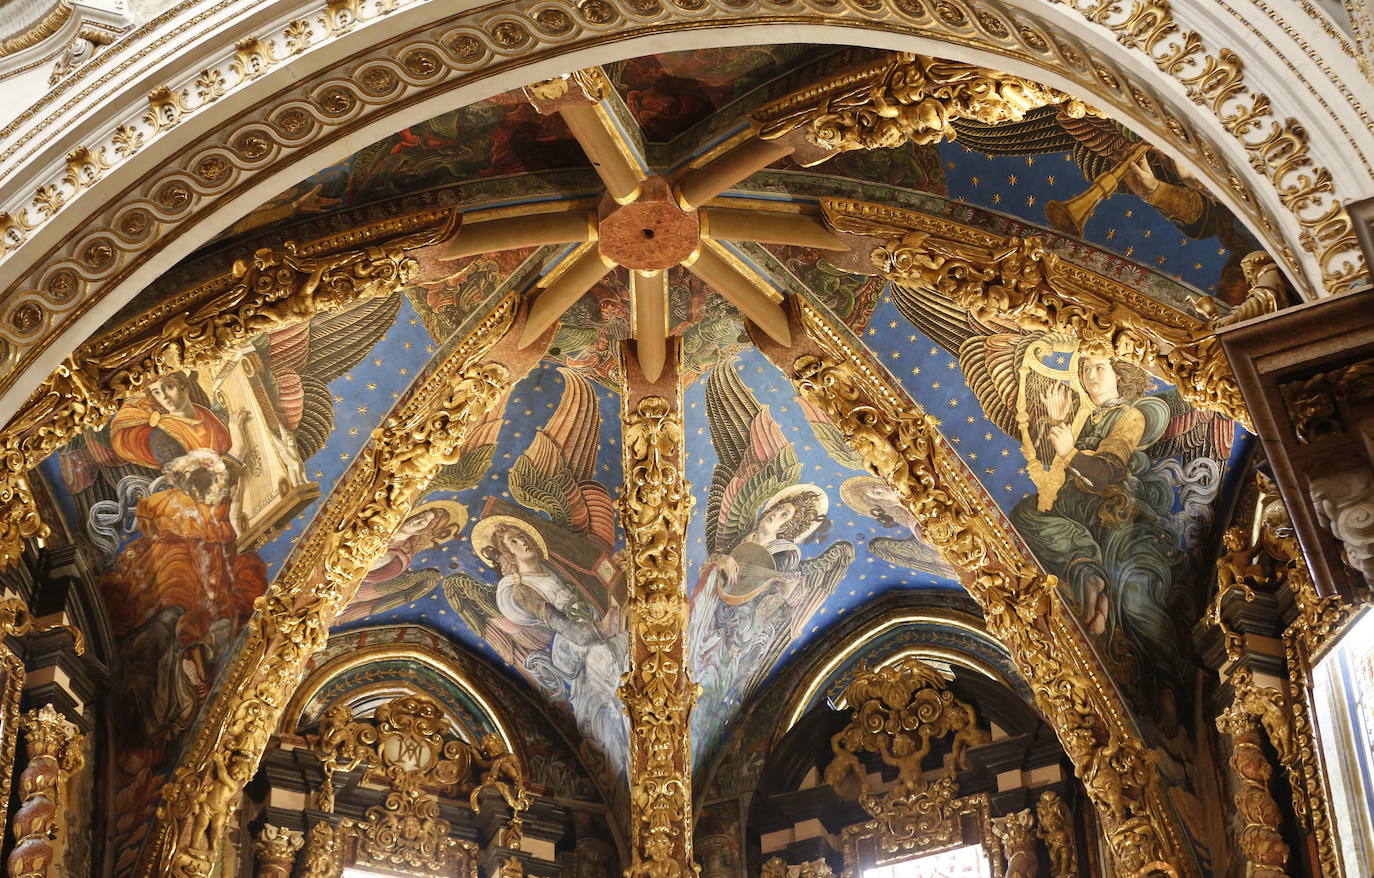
x=754 y=459
x=908 y=552
x=1192 y=433
x=405 y=588
x=1096 y=144
x=473 y=600
x=556 y=473
x=830 y=437
x=820 y=575
x=305 y=357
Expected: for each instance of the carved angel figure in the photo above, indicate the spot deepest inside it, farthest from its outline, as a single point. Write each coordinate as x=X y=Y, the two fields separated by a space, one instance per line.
x=756 y=591
x=1112 y=460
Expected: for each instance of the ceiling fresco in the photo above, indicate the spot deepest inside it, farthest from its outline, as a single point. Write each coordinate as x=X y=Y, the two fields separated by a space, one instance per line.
x=195 y=492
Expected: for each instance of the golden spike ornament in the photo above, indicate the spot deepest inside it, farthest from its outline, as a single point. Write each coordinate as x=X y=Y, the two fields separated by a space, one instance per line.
x=1021 y=604
x=657 y=692
x=905 y=98
x=1017 y=281
x=424 y=431
x=276 y=287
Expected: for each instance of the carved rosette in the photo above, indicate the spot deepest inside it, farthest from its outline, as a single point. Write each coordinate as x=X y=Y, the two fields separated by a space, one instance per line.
x=657 y=692
x=1012 y=280
x=1054 y=826
x=277 y=287
x=425 y=431
x=1021 y=604
x=905 y=98
x=276 y=848
x=1016 y=832
x=54 y=747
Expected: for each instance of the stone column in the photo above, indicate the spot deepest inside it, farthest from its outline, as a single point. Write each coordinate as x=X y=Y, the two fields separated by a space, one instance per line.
x=54 y=754
x=276 y=848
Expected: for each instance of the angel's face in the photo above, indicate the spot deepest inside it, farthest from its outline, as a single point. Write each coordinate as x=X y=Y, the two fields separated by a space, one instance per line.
x=417 y=524
x=521 y=547
x=775 y=518
x=881 y=495
x=170 y=394
x=1099 y=379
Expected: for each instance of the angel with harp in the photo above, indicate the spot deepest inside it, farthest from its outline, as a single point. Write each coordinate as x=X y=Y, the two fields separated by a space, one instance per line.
x=756 y=591
x=1109 y=458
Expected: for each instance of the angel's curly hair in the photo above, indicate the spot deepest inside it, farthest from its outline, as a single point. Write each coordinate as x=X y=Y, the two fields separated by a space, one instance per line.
x=502 y=557
x=806 y=511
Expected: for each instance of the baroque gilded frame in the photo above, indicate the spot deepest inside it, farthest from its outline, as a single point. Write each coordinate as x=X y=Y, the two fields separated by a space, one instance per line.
x=858 y=839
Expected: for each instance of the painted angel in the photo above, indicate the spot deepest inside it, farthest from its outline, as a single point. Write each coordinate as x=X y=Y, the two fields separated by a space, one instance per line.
x=757 y=591
x=1111 y=458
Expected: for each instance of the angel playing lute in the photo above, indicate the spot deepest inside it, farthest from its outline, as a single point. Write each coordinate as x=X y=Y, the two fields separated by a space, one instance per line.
x=757 y=590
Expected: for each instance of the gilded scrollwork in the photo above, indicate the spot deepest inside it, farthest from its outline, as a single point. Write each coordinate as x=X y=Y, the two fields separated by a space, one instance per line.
x=276 y=848
x=276 y=287
x=657 y=692
x=422 y=433
x=905 y=98
x=1021 y=604
x=899 y=712
x=322 y=856
x=1018 y=281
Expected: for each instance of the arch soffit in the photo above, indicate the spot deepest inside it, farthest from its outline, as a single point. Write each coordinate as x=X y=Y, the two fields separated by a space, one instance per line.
x=421 y=655
x=167 y=169
x=820 y=670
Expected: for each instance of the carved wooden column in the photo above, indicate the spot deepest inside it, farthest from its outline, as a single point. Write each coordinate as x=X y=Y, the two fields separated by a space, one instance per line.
x=657 y=691
x=1021 y=604
x=54 y=747
x=1016 y=832
x=427 y=429
x=1054 y=825
x=276 y=848
x=1255 y=709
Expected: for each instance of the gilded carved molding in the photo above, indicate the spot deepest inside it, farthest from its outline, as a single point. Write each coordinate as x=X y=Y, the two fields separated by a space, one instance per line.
x=1021 y=604
x=276 y=848
x=399 y=71
x=657 y=692
x=904 y=98
x=1017 y=281
x=276 y=287
x=423 y=432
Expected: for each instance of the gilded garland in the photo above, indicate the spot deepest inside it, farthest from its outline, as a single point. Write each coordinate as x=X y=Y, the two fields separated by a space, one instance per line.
x=657 y=692
x=1021 y=604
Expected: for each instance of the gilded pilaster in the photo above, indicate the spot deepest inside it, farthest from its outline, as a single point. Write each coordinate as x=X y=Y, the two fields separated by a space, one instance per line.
x=276 y=287
x=424 y=431
x=1021 y=604
x=54 y=746
x=657 y=692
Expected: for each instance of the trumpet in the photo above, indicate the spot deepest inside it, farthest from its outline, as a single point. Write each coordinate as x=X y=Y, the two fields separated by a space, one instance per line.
x=1070 y=216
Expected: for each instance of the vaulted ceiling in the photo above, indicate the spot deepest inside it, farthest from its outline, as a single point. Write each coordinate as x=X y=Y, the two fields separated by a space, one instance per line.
x=515 y=549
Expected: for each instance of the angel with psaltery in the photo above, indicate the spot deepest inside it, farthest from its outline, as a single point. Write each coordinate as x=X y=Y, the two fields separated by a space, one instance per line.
x=757 y=590
x=1116 y=464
